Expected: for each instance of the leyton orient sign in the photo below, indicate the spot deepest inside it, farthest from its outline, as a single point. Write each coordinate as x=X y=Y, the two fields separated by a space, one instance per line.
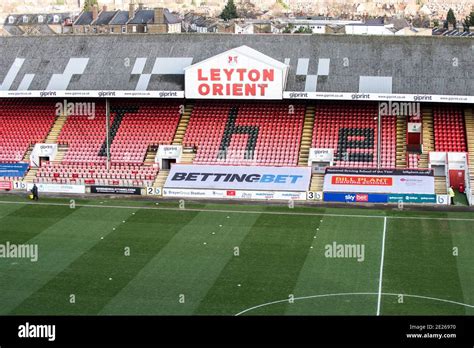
x=240 y=73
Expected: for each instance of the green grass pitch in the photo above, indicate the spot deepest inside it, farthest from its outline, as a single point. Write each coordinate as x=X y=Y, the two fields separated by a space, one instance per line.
x=185 y=261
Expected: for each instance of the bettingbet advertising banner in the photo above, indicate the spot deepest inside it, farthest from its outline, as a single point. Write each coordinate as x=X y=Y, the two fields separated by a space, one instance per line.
x=239 y=177
x=379 y=180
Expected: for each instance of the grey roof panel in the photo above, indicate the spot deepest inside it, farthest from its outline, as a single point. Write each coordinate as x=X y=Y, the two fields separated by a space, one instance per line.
x=143 y=17
x=84 y=19
x=171 y=18
x=120 y=18
x=104 y=17
x=417 y=65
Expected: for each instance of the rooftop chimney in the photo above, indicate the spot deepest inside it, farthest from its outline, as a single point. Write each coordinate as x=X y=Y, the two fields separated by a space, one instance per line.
x=131 y=9
x=95 y=12
x=159 y=15
x=140 y=6
x=104 y=8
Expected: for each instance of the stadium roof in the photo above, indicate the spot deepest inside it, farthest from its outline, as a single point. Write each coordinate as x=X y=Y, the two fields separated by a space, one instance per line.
x=318 y=63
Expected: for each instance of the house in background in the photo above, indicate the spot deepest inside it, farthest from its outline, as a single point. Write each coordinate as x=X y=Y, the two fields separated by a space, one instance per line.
x=101 y=24
x=374 y=26
x=225 y=27
x=83 y=23
x=118 y=24
x=277 y=28
x=412 y=31
x=195 y=23
x=159 y=20
x=243 y=28
x=37 y=24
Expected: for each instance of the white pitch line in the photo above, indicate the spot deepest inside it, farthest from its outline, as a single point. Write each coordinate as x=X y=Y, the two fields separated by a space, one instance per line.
x=242 y=211
x=355 y=294
x=381 y=266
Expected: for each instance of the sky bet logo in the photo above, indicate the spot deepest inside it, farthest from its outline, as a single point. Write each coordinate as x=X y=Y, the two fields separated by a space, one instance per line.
x=359 y=197
x=223 y=177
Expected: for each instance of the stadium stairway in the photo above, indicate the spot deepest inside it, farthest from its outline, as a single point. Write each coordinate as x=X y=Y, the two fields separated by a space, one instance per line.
x=187 y=157
x=53 y=134
x=183 y=124
x=469 y=122
x=307 y=136
x=26 y=157
x=30 y=175
x=161 y=178
x=428 y=136
x=150 y=155
x=62 y=149
x=317 y=181
x=401 y=159
x=440 y=185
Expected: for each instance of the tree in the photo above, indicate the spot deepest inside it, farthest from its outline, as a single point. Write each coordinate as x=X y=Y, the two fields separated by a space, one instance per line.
x=469 y=21
x=88 y=5
x=450 y=18
x=229 y=11
x=288 y=29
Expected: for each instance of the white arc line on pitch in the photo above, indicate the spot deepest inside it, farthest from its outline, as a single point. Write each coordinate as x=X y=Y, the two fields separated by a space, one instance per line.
x=355 y=294
x=379 y=300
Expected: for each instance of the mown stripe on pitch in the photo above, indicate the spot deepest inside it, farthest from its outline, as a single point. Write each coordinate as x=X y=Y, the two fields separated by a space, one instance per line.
x=463 y=238
x=179 y=276
x=323 y=274
x=58 y=246
x=419 y=260
x=28 y=221
x=6 y=209
x=100 y=272
x=271 y=257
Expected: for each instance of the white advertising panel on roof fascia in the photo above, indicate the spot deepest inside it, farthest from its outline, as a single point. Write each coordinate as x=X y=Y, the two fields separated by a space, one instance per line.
x=239 y=73
x=379 y=97
x=92 y=94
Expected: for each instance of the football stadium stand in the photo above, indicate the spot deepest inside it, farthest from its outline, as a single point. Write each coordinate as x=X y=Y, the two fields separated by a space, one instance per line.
x=22 y=124
x=351 y=130
x=134 y=128
x=449 y=133
x=244 y=101
x=245 y=133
